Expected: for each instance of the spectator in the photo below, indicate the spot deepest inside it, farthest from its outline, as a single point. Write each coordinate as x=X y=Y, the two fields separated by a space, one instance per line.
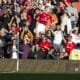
x=50 y=35
x=26 y=48
x=69 y=45
x=75 y=36
x=52 y=54
x=14 y=50
x=66 y=22
x=26 y=33
x=74 y=14
x=57 y=42
x=45 y=46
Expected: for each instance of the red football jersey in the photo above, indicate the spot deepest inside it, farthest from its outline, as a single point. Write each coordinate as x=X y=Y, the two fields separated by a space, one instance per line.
x=69 y=46
x=44 y=18
x=45 y=44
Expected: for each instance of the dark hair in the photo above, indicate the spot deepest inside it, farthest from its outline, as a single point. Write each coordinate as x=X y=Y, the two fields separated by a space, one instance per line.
x=69 y=36
x=78 y=45
x=36 y=9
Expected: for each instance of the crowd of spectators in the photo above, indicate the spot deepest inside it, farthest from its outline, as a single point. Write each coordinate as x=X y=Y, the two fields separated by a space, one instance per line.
x=38 y=29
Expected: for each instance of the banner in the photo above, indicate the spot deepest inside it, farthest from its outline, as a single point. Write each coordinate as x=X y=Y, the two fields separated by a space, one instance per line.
x=74 y=55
